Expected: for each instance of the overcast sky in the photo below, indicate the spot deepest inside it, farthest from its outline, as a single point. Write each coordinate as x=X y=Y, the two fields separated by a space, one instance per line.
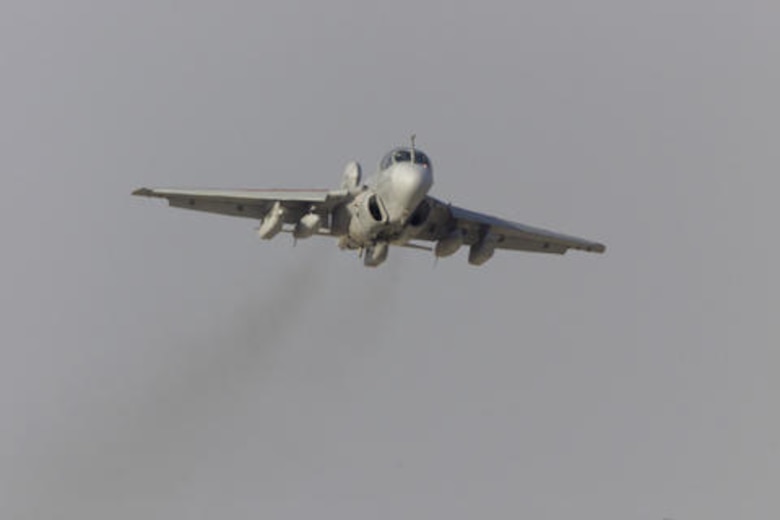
x=159 y=363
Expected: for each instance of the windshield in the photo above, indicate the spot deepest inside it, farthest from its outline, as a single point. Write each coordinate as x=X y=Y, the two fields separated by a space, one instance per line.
x=421 y=158
x=404 y=155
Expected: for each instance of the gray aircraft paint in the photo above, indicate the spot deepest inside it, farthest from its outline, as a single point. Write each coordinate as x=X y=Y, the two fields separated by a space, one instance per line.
x=391 y=208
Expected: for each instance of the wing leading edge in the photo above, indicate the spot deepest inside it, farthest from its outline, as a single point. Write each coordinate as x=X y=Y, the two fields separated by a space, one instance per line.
x=475 y=227
x=520 y=237
x=248 y=203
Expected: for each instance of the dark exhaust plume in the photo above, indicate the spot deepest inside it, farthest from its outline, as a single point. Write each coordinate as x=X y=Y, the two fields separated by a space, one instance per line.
x=149 y=445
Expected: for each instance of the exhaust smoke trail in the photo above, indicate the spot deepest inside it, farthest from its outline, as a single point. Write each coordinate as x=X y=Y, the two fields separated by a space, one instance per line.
x=152 y=440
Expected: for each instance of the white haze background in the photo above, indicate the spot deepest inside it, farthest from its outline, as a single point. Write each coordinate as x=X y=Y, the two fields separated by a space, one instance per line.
x=159 y=363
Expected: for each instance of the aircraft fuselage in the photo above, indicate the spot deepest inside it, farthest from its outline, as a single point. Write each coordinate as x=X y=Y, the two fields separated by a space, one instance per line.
x=383 y=208
x=401 y=188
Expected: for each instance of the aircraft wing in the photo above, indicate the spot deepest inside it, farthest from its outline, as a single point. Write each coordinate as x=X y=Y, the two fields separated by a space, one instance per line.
x=249 y=203
x=447 y=219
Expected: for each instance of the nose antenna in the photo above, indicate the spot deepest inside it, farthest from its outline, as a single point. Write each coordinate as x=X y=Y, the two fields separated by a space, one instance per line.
x=413 y=137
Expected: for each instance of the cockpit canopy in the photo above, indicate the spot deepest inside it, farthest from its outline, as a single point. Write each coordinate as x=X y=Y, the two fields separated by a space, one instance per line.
x=400 y=155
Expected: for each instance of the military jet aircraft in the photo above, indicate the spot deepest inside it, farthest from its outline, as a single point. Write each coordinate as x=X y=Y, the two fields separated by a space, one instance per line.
x=392 y=207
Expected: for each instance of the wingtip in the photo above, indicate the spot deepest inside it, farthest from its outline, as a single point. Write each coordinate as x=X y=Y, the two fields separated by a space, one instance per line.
x=143 y=192
x=594 y=248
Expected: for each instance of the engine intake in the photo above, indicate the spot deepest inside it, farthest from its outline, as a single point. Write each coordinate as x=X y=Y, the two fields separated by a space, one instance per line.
x=366 y=217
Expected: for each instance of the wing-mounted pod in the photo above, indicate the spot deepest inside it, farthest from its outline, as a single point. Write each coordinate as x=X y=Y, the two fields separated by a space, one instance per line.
x=307 y=226
x=482 y=251
x=450 y=244
x=272 y=222
x=376 y=254
x=350 y=179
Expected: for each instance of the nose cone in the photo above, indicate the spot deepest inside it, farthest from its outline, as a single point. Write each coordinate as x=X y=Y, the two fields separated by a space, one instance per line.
x=410 y=184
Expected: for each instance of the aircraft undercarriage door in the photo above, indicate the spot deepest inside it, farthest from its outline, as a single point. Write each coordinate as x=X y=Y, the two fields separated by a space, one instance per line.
x=376 y=254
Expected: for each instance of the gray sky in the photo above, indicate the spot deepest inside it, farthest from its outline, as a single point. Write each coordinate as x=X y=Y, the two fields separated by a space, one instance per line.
x=165 y=364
